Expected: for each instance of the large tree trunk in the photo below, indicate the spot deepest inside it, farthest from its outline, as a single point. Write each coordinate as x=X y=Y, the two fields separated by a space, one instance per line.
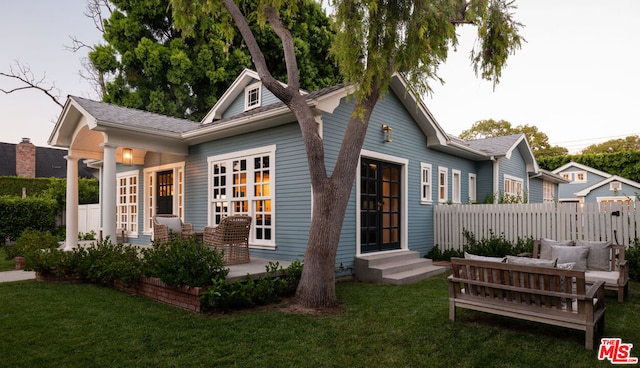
x=330 y=198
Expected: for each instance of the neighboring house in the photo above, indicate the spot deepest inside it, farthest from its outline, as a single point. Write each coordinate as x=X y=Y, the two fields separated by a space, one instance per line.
x=247 y=156
x=26 y=160
x=586 y=184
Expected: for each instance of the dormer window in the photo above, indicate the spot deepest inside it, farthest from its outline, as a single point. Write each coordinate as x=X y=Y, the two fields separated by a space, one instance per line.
x=252 y=94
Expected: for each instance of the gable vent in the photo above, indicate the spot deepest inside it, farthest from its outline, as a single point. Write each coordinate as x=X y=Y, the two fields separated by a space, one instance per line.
x=615 y=185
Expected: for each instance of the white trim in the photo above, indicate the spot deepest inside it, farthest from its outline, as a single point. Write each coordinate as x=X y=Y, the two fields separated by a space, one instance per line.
x=127 y=175
x=515 y=180
x=404 y=226
x=248 y=90
x=456 y=188
x=149 y=196
x=623 y=199
x=428 y=198
x=269 y=151
x=443 y=197
x=473 y=189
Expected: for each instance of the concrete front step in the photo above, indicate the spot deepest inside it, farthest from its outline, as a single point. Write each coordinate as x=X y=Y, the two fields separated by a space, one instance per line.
x=395 y=268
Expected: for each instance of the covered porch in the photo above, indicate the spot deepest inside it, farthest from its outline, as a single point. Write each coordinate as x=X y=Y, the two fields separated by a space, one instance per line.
x=111 y=138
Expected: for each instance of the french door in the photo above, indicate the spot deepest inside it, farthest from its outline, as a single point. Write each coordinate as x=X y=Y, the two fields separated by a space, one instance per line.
x=379 y=205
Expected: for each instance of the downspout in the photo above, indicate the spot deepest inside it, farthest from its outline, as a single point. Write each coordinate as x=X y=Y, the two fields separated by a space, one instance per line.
x=496 y=179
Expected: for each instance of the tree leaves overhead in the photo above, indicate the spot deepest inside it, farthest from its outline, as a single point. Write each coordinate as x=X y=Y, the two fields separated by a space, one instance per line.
x=154 y=68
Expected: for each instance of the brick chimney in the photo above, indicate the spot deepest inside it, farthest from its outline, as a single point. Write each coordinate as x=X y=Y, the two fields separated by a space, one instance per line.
x=26 y=159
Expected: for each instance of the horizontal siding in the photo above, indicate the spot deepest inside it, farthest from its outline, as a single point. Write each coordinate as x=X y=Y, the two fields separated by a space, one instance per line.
x=292 y=186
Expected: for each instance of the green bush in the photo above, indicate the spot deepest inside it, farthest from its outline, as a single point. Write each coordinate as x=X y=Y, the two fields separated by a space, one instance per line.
x=104 y=262
x=279 y=282
x=19 y=214
x=494 y=246
x=184 y=263
x=29 y=241
x=55 y=262
x=632 y=255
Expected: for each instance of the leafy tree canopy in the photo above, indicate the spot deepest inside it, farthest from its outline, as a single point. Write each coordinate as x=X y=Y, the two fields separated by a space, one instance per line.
x=624 y=163
x=538 y=140
x=630 y=143
x=154 y=68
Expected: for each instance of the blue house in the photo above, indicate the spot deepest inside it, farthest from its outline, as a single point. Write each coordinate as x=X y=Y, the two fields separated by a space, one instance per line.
x=247 y=157
x=586 y=184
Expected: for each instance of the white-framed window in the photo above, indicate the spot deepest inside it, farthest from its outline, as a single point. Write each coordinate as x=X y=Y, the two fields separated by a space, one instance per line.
x=426 y=194
x=513 y=188
x=252 y=96
x=473 y=191
x=151 y=195
x=443 y=182
x=548 y=192
x=243 y=183
x=127 y=202
x=575 y=176
x=456 y=186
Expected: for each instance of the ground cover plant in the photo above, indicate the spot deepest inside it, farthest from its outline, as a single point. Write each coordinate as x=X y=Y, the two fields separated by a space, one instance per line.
x=88 y=325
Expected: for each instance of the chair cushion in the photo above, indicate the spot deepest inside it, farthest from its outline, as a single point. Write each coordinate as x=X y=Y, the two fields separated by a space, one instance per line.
x=545 y=246
x=609 y=277
x=174 y=224
x=527 y=261
x=599 y=253
x=565 y=254
x=484 y=258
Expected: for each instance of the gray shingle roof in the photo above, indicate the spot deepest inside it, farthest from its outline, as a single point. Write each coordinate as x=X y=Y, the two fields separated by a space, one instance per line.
x=495 y=145
x=106 y=112
x=50 y=162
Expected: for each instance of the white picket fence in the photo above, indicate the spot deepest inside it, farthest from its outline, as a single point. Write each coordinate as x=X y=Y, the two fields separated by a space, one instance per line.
x=589 y=221
x=89 y=218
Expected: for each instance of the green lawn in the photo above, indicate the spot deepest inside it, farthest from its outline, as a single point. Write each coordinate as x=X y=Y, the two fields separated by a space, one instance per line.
x=83 y=325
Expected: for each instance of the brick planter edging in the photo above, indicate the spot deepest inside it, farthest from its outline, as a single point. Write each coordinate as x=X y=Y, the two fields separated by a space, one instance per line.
x=184 y=297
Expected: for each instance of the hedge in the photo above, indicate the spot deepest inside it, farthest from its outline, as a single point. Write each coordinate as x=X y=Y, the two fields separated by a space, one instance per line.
x=18 y=214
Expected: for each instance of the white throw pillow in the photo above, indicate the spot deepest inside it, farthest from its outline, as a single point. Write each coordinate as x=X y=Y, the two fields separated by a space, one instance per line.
x=173 y=223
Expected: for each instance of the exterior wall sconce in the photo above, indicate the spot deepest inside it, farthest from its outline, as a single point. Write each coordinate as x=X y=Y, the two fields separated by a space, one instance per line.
x=127 y=156
x=387 y=133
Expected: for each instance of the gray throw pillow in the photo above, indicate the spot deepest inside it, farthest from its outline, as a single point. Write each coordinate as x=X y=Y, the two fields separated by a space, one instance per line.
x=531 y=261
x=599 y=253
x=578 y=255
x=545 y=246
x=484 y=258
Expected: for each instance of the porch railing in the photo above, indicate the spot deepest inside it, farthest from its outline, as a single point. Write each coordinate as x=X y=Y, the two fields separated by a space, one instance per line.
x=589 y=221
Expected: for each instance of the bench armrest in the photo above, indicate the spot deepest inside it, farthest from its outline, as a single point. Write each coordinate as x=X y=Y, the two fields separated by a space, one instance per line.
x=594 y=290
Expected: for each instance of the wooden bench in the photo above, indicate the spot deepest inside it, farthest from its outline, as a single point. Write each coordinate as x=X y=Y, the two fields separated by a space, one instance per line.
x=616 y=278
x=541 y=294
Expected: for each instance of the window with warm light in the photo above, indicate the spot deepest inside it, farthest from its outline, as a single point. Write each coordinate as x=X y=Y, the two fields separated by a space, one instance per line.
x=241 y=183
x=443 y=182
x=426 y=196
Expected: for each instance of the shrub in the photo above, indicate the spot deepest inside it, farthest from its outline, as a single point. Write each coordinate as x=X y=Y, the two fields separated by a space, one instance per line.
x=19 y=214
x=55 y=262
x=29 y=241
x=279 y=282
x=184 y=263
x=632 y=255
x=494 y=246
x=104 y=262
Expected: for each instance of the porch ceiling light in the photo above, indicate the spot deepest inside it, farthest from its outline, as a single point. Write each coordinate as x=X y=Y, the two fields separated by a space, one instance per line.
x=127 y=156
x=387 y=133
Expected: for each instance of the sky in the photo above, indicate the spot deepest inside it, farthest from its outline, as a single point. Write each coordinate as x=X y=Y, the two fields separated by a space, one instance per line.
x=576 y=78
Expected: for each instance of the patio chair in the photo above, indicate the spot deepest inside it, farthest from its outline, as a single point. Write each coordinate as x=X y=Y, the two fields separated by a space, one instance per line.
x=231 y=236
x=166 y=226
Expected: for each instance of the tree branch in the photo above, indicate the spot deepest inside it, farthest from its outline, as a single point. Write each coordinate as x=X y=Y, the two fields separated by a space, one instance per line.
x=283 y=33
x=26 y=77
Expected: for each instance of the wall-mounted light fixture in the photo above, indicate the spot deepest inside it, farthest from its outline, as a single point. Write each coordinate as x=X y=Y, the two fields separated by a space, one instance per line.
x=127 y=156
x=387 y=133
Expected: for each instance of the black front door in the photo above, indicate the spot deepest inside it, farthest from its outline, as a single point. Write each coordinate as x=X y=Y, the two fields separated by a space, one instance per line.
x=164 y=190
x=379 y=206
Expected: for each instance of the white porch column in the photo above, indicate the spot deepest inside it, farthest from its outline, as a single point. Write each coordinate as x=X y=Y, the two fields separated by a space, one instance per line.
x=109 y=192
x=71 y=238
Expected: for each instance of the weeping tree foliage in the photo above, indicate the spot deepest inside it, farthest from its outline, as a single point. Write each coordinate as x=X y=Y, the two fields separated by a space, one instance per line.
x=152 y=66
x=374 y=39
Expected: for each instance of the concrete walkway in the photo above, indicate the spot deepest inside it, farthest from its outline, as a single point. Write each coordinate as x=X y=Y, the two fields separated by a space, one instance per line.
x=17 y=275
